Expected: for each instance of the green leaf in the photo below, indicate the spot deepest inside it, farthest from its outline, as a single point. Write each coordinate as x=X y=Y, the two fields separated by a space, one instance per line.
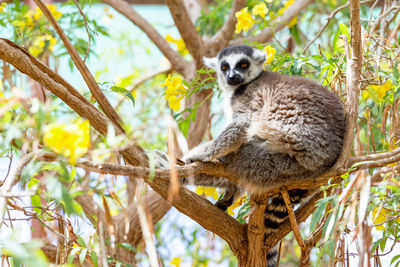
x=126 y=246
x=60 y=194
x=72 y=254
x=394 y=259
x=343 y=29
x=82 y=255
x=94 y=258
x=317 y=215
x=35 y=201
x=124 y=92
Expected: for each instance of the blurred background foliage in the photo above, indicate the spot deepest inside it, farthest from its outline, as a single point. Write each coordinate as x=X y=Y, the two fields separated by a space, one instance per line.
x=47 y=191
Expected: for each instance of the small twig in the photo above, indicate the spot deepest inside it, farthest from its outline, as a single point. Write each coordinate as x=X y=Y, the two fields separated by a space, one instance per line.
x=87 y=76
x=329 y=18
x=292 y=218
x=11 y=181
x=145 y=224
x=87 y=28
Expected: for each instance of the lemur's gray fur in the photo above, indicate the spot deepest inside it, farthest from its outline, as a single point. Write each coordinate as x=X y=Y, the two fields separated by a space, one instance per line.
x=281 y=128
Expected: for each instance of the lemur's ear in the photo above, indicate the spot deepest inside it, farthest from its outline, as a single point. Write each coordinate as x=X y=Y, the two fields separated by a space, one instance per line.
x=211 y=62
x=259 y=57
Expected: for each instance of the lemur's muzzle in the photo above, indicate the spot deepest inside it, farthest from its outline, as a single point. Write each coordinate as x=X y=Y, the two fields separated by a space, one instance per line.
x=234 y=79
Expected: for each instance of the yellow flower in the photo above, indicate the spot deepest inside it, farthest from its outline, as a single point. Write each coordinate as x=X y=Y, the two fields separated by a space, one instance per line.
x=244 y=20
x=176 y=261
x=269 y=1
x=174 y=102
x=208 y=191
x=180 y=44
x=237 y=203
x=39 y=44
x=382 y=89
x=261 y=10
x=270 y=51
x=70 y=140
x=383 y=215
x=175 y=91
x=2 y=6
x=1 y=93
x=53 y=10
x=292 y=22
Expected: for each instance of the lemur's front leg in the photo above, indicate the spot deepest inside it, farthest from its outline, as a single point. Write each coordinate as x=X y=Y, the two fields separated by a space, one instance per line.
x=233 y=137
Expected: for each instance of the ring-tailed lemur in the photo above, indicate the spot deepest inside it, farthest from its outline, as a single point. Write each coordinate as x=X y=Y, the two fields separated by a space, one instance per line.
x=281 y=128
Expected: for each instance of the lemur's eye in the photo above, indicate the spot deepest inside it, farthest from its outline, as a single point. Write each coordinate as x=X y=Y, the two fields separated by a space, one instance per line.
x=244 y=65
x=224 y=67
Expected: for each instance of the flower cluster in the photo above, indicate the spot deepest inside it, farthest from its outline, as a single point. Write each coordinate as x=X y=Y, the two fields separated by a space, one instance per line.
x=40 y=44
x=245 y=20
x=208 y=191
x=260 y=10
x=71 y=140
x=180 y=44
x=175 y=91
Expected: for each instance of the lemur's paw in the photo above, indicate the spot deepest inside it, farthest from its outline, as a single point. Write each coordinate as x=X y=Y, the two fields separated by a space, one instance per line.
x=195 y=157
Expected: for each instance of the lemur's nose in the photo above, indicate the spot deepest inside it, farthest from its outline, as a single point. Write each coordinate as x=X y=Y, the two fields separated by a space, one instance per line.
x=234 y=79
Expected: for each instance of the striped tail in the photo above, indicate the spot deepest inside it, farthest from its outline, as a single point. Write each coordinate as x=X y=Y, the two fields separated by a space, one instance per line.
x=275 y=214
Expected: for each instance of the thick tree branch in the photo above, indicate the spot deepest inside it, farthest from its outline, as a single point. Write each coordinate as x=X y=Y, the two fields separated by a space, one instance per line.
x=194 y=42
x=268 y=33
x=87 y=76
x=26 y=63
x=189 y=203
x=224 y=35
x=178 y=63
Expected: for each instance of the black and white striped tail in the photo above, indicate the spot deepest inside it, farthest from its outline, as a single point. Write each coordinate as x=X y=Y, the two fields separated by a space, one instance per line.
x=275 y=214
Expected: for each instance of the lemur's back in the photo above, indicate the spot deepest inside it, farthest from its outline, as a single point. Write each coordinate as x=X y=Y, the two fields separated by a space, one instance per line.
x=283 y=128
x=299 y=122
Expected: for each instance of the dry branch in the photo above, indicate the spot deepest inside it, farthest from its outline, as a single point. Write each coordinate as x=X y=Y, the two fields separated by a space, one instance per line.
x=177 y=61
x=292 y=218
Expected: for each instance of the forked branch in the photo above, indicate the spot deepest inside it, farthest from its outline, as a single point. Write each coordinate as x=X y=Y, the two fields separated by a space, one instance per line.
x=193 y=41
x=177 y=61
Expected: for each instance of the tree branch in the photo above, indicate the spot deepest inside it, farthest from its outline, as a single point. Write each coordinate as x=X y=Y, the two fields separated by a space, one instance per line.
x=224 y=35
x=178 y=63
x=194 y=206
x=26 y=63
x=193 y=41
x=292 y=219
x=87 y=76
x=268 y=33
x=328 y=19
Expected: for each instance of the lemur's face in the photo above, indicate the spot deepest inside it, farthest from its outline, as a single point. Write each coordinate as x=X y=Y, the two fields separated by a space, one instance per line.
x=236 y=66
x=235 y=69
